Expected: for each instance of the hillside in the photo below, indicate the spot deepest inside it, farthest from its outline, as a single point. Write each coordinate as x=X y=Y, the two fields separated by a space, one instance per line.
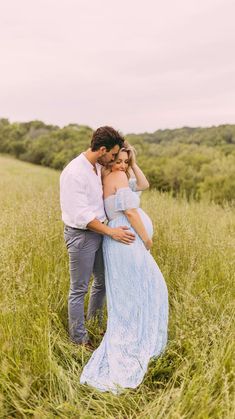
x=40 y=368
x=193 y=162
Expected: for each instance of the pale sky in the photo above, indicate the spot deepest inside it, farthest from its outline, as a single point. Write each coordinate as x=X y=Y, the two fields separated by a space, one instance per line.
x=135 y=65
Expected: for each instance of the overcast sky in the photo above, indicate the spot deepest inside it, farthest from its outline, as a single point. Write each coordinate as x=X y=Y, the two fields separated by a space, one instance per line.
x=136 y=65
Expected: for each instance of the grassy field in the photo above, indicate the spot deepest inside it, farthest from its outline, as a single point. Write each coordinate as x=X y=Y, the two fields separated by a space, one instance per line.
x=39 y=373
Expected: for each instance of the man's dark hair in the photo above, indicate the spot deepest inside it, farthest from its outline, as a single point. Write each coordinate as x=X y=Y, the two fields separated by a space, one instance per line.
x=106 y=137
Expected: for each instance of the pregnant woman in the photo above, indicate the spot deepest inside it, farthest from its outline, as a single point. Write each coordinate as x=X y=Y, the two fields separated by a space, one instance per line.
x=137 y=298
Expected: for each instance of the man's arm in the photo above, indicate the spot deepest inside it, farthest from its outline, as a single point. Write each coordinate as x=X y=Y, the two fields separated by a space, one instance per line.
x=121 y=234
x=75 y=206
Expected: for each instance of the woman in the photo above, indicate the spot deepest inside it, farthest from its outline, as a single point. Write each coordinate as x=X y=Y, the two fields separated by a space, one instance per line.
x=137 y=298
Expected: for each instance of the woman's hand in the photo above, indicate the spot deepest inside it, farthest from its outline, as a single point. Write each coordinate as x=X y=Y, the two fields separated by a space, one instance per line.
x=132 y=157
x=141 y=181
x=148 y=244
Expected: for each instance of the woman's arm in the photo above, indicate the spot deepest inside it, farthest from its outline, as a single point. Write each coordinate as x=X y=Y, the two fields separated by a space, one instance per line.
x=136 y=222
x=121 y=181
x=141 y=181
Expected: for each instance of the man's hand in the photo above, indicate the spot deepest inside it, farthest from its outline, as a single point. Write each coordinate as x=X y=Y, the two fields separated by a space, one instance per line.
x=123 y=235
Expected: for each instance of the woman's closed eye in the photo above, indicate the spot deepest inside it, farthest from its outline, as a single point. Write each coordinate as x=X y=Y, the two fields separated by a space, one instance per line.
x=120 y=161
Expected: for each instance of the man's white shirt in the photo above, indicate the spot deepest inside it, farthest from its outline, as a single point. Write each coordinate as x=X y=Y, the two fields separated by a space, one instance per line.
x=81 y=193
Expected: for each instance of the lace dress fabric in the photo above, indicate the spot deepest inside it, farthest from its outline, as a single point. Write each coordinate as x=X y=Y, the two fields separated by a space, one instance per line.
x=137 y=304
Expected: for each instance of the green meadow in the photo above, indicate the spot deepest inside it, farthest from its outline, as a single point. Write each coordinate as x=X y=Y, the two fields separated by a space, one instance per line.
x=194 y=246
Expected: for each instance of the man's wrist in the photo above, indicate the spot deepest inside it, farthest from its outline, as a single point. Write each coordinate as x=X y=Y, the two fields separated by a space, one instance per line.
x=109 y=231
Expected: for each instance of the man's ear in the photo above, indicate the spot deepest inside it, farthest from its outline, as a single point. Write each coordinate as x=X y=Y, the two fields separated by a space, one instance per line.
x=102 y=150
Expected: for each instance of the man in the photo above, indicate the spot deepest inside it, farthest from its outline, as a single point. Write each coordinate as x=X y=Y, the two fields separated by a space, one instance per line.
x=81 y=199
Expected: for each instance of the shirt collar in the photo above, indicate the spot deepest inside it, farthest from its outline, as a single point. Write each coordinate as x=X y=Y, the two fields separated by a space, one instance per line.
x=89 y=164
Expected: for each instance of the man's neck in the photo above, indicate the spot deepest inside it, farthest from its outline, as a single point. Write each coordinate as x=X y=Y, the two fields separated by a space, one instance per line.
x=91 y=156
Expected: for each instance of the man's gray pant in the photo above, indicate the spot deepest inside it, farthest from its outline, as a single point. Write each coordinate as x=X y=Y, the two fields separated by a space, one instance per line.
x=85 y=257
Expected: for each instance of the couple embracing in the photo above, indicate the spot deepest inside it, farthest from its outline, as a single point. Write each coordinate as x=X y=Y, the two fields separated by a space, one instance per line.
x=108 y=235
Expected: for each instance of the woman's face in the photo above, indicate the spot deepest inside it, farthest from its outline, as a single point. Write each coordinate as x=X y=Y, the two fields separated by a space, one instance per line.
x=121 y=163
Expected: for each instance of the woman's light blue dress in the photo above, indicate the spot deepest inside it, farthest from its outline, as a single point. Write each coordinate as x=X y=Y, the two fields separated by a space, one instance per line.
x=137 y=304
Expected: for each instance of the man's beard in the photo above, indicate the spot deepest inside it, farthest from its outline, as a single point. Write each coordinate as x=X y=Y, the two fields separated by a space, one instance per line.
x=102 y=161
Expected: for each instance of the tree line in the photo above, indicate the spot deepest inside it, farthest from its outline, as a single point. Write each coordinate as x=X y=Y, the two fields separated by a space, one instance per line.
x=194 y=162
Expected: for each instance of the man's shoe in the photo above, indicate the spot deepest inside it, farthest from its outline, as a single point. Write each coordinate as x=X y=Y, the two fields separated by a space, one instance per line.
x=89 y=346
x=86 y=344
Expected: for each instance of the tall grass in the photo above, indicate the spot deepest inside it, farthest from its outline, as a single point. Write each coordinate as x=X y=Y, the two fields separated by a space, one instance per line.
x=39 y=367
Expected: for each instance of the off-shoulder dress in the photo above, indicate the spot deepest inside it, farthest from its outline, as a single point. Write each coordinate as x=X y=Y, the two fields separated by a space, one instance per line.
x=137 y=304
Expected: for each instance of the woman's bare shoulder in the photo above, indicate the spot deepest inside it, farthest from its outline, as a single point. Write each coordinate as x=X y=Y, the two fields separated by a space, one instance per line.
x=118 y=178
x=114 y=181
